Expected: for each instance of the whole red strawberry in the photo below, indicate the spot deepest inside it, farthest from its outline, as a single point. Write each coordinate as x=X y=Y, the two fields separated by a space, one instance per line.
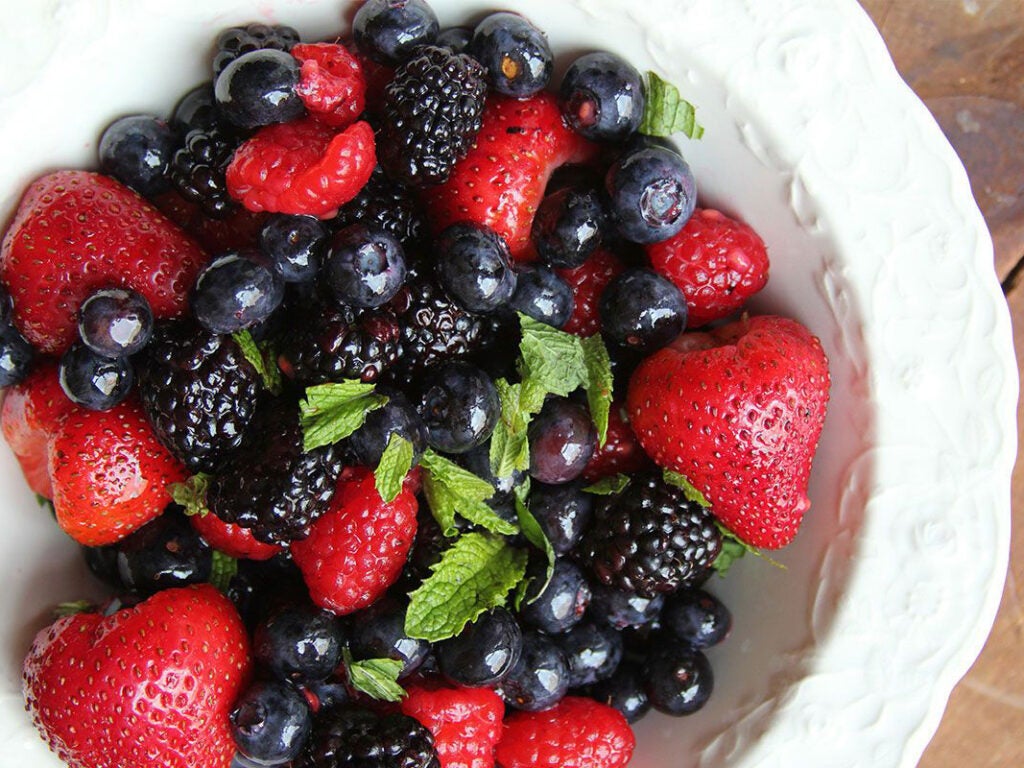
x=738 y=411
x=32 y=410
x=588 y=282
x=150 y=685
x=575 y=733
x=356 y=550
x=465 y=722
x=501 y=181
x=717 y=262
x=75 y=232
x=110 y=475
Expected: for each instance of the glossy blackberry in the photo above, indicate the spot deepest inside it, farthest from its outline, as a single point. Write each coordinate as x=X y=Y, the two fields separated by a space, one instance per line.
x=198 y=167
x=331 y=343
x=199 y=393
x=236 y=41
x=273 y=486
x=387 y=204
x=650 y=539
x=346 y=737
x=94 y=381
x=166 y=552
x=270 y=722
x=136 y=150
x=432 y=114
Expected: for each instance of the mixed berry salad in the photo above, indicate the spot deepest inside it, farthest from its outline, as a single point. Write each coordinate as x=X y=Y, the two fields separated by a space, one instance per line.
x=407 y=400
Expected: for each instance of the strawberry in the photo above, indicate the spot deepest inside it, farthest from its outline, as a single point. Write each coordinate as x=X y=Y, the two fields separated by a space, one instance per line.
x=356 y=550
x=231 y=539
x=717 y=262
x=109 y=472
x=738 y=411
x=331 y=83
x=501 y=181
x=465 y=722
x=621 y=452
x=588 y=282
x=148 y=685
x=75 y=232
x=32 y=410
x=575 y=733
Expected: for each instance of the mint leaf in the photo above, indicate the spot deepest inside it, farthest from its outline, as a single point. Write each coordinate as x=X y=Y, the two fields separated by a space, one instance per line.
x=733 y=548
x=452 y=490
x=46 y=503
x=332 y=412
x=394 y=465
x=191 y=494
x=608 y=486
x=666 y=112
x=377 y=678
x=261 y=358
x=551 y=360
x=74 y=608
x=599 y=383
x=689 y=491
x=224 y=568
x=509 y=448
x=534 y=534
x=474 y=575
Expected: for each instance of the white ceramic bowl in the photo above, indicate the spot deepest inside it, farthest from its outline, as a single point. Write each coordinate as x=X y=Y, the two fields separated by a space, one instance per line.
x=847 y=657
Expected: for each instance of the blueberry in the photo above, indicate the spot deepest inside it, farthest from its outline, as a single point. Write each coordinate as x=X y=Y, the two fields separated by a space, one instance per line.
x=459 y=406
x=378 y=632
x=294 y=245
x=270 y=722
x=94 y=381
x=543 y=295
x=484 y=652
x=593 y=652
x=364 y=266
x=258 y=88
x=642 y=311
x=696 y=617
x=299 y=642
x=16 y=356
x=514 y=52
x=478 y=461
x=137 y=150
x=165 y=552
x=602 y=97
x=388 y=30
x=624 y=691
x=540 y=679
x=197 y=110
x=455 y=39
x=569 y=227
x=115 y=322
x=562 y=440
x=652 y=194
x=235 y=291
x=474 y=266
x=563 y=511
x=397 y=416
x=678 y=679
x=561 y=604
x=620 y=609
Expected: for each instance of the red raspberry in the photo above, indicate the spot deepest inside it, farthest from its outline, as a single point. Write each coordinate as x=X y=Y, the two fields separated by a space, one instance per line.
x=717 y=262
x=356 y=550
x=465 y=722
x=233 y=540
x=302 y=167
x=331 y=83
x=588 y=282
x=575 y=733
x=621 y=452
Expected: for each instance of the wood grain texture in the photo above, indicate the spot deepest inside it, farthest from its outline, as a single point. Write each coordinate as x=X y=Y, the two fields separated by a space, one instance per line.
x=965 y=59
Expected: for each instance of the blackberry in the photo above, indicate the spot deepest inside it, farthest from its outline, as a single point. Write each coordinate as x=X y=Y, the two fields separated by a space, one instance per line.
x=198 y=167
x=236 y=41
x=650 y=539
x=387 y=204
x=432 y=114
x=199 y=393
x=272 y=486
x=339 y=342
x=346 y=737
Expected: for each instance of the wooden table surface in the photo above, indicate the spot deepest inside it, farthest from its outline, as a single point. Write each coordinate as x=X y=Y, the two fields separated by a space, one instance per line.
x=965 y=59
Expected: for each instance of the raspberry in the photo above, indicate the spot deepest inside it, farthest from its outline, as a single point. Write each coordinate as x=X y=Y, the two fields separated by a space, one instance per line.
x=331 y=83
x=588 y=283
x=621 y=452
x=358 y=548
x=465 y=722
x=717 y=262
x=575 y=733
x=302 y=167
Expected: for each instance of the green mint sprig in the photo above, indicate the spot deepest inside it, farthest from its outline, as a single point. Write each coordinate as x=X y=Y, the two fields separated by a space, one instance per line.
x=452 y=490
x=394 y=465
x=666 y=112
x=689 y=491
x=534 y=534
x=331 y=412
x=223 y=570
x=377 y=678
x=608 y=486
x=262 y=358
